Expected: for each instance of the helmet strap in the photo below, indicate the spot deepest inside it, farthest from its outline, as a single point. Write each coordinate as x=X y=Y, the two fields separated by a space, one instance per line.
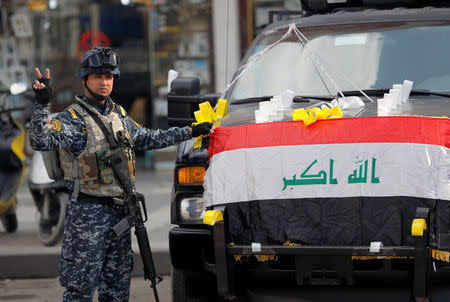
x=96 y=96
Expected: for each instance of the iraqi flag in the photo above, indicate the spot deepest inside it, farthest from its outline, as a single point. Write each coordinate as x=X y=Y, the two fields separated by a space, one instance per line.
x=342 y=181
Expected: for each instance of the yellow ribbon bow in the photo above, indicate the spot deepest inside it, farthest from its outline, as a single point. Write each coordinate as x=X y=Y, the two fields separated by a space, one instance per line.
x=310 y=116
x=207 y=114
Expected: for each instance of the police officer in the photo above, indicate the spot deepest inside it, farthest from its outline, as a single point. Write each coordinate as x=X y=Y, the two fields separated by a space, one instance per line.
x=91 y=258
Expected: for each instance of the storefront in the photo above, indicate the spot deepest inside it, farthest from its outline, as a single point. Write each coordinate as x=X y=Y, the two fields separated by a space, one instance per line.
x=202 y=38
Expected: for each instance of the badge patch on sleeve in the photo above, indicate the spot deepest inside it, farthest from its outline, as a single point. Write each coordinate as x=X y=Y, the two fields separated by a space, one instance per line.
x=55 y=124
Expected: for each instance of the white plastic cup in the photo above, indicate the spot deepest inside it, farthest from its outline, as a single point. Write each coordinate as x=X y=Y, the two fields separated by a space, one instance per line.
x=407 y=87
x=263 y=105
x=396 y=97
x=399 y=87
x=388 y=104
x=266 y=110
x=275 y=102
x=383 y=107
x=287 y=97
x=280 y=114
x=259 y=116
x=273 y=118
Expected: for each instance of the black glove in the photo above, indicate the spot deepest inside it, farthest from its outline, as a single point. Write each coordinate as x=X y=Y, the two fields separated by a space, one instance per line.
x=201 y=129
x=43 y=96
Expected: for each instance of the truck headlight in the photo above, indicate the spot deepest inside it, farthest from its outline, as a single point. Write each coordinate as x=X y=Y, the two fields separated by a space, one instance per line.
x=192 y=208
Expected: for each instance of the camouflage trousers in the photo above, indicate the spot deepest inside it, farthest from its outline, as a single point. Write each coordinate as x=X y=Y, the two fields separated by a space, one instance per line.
x=91 y=258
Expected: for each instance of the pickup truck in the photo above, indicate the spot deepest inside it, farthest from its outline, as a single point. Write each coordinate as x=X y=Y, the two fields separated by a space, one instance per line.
x=344 y=209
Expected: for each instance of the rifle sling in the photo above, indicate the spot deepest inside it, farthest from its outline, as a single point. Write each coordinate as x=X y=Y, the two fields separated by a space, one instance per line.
x=109 y=137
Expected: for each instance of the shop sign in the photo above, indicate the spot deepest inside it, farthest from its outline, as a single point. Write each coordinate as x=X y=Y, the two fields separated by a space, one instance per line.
x=145 y=2
x=37 y=5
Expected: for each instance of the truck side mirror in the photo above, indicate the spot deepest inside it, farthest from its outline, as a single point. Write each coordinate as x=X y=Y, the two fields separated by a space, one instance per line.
x=185 y=86
x=183 y=99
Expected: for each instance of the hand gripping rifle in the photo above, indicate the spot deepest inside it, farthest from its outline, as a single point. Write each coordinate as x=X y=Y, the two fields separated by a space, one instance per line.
x=134 y=201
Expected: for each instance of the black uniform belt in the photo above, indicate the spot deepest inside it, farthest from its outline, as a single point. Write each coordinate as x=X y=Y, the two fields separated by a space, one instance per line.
x=103 y=200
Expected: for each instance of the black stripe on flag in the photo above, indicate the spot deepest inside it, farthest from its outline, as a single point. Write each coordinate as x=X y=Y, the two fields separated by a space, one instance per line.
x=336 y=221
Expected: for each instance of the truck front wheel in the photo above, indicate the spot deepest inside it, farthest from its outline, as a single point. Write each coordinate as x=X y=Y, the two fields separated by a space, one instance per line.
x=188 y=286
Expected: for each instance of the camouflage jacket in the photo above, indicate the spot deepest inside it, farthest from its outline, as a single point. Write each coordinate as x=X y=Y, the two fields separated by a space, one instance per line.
x=65 y=131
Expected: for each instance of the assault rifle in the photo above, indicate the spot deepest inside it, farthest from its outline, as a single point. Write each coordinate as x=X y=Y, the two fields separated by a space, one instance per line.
x=135 y=202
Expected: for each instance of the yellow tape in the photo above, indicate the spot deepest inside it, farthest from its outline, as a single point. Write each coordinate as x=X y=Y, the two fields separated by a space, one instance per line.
x=222 y=108
x=299 y=114
x=334 y=112
x=310 y=116
x=208 y=111
x=417 y=227
x=207 y=114
x=201 y=117
x=211 y=217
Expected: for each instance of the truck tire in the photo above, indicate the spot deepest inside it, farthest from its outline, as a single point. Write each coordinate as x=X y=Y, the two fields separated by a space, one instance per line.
x=193 y=287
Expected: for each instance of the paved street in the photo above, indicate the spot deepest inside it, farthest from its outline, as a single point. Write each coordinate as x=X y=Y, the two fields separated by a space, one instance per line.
x=48 y=290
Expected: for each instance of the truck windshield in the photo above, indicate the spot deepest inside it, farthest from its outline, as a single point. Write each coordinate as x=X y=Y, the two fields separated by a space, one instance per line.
x=371 y=56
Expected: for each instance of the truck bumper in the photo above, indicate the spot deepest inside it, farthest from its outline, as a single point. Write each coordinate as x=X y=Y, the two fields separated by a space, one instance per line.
x=190 y=247
x=349 y=294
x=341 y=260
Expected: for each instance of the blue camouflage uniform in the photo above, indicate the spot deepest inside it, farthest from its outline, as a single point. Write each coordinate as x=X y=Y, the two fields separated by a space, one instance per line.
x=91 y=258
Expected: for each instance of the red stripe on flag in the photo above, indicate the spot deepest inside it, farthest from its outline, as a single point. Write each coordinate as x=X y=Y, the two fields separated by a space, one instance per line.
x=392 y=129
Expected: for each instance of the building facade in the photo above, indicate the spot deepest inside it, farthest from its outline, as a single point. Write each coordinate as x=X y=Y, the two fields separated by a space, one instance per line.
x=202 y=38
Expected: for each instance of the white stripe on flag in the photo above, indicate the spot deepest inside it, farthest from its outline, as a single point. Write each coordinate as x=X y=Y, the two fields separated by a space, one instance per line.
x=335 y=170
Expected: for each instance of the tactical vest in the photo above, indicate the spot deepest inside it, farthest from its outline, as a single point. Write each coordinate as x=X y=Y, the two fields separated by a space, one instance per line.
x=89 y=170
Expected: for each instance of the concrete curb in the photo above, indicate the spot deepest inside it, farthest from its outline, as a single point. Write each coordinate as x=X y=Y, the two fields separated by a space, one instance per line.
x=46 y=265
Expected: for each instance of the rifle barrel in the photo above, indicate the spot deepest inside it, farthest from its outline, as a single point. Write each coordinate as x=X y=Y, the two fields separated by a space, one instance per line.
x=145 y=251
x=119 y=163
x=155 y=292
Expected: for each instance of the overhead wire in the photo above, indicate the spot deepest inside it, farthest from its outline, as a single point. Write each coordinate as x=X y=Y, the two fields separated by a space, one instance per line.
x=318 y=72
x=301 y=36
x=244 y=67
x=314 y=59
x=304 y=41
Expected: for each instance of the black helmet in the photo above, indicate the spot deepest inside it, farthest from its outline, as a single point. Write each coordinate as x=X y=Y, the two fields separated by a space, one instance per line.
x=99 y=60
